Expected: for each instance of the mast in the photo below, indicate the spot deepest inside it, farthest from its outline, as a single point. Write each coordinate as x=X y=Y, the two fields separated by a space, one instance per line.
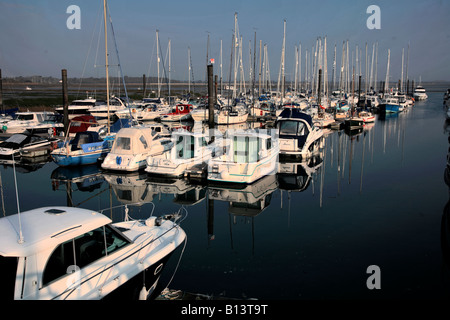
x=403 y=62
x=386 y=83
x=169 y=71
x=106 y=64
x=157 y=61
x=189 y=70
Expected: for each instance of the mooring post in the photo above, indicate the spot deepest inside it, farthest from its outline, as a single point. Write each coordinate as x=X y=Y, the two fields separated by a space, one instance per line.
x=144 y=86
x=210 y=97
x=1 y=90
x=65 y=100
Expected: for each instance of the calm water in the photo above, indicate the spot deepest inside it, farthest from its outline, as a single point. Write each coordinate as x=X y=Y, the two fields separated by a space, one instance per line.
x=377 y=198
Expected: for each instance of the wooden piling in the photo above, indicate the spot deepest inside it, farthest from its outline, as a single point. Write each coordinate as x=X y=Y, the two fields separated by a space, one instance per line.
x=65 y=100
x=144 y=86
x=210 y=96
x=1 y=91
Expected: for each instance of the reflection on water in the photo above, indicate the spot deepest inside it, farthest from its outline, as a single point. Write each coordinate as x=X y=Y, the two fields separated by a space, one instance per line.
x=370 y=196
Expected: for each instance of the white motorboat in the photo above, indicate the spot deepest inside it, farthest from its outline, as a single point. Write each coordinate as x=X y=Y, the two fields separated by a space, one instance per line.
x=189 y=149
x=66 y=253
x=298 y=135
x=132 y=146
x=78 y=107
x=228 y=115
x=100 y=111
x=151 y=112
x=249 y=156
x=367 y=116
x=21 y=142
x=420 y=93
x=26 y=121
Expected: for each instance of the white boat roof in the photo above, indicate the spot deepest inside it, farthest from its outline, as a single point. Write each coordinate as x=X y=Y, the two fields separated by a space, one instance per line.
x=45 y=227
x=135 y=131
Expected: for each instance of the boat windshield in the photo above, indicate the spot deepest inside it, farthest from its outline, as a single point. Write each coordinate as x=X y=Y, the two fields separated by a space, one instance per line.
x=184 y=147
x=17 y=138
x=83 y=250
x=293 y=128
x=8 y=270
x=122 y=144
x=24 y=117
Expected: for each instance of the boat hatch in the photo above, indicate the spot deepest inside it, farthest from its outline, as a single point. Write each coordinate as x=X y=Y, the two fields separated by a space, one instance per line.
x=55 y=211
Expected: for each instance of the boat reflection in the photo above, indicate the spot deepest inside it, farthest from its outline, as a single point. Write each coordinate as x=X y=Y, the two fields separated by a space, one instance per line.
x=250 y=200
x=296 y=176
x=87 y=178
x=130 y=188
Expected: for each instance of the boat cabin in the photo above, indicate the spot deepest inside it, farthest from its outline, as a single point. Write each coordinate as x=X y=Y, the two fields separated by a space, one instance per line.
x=55 y=242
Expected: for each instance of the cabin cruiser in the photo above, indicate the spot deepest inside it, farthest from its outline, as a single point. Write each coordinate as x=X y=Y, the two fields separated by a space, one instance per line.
x=26 y=121
x=132 y=146
x=189 y=149
x=420 y=93
x=24 y=142
x=249 y=155
x=390 y=104
x=151 y=112
x=231 y=115
x=181 y=112
x=86 y=147
x=78 y=107
x=297 y=133
x=67 y=253
x=101 y=110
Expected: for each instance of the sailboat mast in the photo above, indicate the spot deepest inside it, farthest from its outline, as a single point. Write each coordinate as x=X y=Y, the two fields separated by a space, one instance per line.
x=386 y=83
x=106 y=64
x=157 y=61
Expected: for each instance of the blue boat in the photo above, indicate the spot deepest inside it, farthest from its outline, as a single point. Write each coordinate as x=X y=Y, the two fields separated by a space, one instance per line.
x=86 y=148
x=390 y=104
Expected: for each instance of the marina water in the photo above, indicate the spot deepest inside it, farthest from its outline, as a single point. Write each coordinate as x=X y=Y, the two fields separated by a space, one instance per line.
x=377 y=198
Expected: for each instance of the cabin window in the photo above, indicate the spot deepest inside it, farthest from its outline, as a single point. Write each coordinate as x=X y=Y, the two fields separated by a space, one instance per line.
x=302 y=129
x=144 y=142
x=123 y=143
x=8 y=270
x=288 y=127
x=246 y=149
x=185 y=147
x=269 y=144
x=82 y=251
x=24 y=117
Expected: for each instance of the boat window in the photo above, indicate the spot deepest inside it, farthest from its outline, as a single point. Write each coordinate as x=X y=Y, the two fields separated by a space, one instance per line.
x=144 y=142
x=59 y=262
x=24 y=117
x=114 y=240
x=123 y=143
x=302 y=129
x=8 y=270
x=82 y=251
x=288 y=127
x=185 y=147
x=17 y=138
x=269 y=144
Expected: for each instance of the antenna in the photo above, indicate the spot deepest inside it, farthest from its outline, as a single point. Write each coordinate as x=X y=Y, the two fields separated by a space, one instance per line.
x=20 y=241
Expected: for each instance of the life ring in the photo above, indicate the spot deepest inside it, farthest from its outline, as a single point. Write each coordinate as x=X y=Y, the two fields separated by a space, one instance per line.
x=181 y=108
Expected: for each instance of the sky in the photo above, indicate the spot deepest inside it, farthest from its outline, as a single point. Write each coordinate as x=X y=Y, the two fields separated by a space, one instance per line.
x=35 y=39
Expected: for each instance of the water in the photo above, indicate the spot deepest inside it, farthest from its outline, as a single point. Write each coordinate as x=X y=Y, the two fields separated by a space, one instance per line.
x=378 y=198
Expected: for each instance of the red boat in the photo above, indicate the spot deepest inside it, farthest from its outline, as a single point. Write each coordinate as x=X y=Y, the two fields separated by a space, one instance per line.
x=179 y=113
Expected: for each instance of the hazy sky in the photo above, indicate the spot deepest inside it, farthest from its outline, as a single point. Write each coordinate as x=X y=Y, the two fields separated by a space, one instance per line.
x=34 y=38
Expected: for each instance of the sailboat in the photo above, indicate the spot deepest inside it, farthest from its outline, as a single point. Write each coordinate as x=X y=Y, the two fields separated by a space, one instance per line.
x=87 y=147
